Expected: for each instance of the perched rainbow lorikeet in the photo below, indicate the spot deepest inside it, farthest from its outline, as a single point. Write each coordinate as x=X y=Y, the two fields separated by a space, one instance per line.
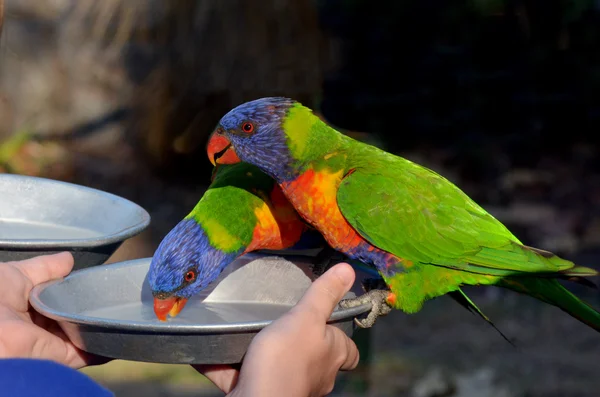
x=242 y=211
x=424 y=235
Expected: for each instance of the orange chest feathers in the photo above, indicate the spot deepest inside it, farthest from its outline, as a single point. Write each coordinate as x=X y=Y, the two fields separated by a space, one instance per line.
x=278 y=225
x=314 y=195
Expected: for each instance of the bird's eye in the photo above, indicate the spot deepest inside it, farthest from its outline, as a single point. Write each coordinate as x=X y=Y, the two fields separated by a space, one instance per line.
x=190 y=276
x=248 y=127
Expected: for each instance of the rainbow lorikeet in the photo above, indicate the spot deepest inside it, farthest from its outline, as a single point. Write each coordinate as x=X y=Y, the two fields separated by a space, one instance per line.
x=243 y=210
x=423 y=234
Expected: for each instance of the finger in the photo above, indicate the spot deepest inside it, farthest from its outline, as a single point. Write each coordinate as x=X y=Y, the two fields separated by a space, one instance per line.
x=46 y=267
x=353 y=355
x=76 y=358
x=225 y=377
x=30 y=341
x=14 y=288
x=345 y=348
x=53 y=344
x=326 y=291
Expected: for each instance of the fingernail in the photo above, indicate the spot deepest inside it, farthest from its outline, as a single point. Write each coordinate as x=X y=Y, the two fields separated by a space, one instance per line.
x=344 y=272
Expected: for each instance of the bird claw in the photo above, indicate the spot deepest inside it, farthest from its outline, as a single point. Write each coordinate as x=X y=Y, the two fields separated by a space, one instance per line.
x=375 y=289
x=379 y=306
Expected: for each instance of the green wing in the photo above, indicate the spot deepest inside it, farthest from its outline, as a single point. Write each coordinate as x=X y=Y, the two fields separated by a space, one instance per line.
x=418 y=215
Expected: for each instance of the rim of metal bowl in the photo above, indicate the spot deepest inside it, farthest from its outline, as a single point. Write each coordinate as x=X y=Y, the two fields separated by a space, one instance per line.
x=121 y=235
x=159 y=328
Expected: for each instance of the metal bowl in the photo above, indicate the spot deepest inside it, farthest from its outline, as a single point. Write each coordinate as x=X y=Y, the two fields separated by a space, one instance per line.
x=42 y=216
x=108 y=310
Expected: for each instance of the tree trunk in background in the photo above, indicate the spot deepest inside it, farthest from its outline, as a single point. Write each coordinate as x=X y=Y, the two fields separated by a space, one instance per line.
x=201 y=58
x=1 y=15
x=4 y=113
x=168 y=69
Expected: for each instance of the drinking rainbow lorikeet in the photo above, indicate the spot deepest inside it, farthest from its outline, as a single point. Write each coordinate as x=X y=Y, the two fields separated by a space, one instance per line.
x=242 y=211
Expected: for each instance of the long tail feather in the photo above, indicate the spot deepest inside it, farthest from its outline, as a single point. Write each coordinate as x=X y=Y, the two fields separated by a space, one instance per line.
x=460 y=297
x=552 y=292
x=581 y=280
x=580 y=271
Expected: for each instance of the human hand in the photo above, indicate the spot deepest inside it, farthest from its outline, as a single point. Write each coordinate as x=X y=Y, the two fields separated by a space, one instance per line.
x=25 y=333
x=299 y=354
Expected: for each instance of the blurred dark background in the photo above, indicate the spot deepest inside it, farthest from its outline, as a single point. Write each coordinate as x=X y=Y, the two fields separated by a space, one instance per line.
x=500 y=96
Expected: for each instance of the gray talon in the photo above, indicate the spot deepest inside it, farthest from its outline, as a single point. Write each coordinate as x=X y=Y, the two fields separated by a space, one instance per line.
x=379 y=306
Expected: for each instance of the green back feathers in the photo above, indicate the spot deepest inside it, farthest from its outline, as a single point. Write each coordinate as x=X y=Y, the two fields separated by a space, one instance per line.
x=444 y=238
x=418 y=214
x=226 y=211
x=412 y=211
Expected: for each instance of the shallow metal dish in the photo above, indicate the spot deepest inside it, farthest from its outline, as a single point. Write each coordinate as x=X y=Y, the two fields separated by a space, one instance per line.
x=107 y=310
x=41 y=216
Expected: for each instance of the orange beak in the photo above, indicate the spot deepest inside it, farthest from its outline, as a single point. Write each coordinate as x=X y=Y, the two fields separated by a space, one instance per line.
x=220 y=150
x=171 y=306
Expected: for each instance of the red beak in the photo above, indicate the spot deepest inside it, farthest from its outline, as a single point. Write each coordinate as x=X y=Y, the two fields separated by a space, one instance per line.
x=220 y=150
x=171 y=306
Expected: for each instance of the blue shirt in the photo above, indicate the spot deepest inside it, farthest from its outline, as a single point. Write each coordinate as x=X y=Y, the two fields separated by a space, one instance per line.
x=21 y=377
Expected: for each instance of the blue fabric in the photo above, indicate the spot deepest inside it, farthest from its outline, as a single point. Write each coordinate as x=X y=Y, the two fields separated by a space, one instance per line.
x=42 y=378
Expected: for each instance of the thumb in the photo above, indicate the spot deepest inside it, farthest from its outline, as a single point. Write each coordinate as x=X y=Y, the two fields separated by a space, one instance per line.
x=46 y=267
x=326 y=291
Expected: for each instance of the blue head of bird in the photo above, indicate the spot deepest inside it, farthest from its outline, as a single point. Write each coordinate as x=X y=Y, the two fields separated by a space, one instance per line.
x=184 y=264
x=254 y=133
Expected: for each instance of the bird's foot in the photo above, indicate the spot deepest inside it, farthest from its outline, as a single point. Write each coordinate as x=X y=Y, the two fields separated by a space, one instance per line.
x=381 y=301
